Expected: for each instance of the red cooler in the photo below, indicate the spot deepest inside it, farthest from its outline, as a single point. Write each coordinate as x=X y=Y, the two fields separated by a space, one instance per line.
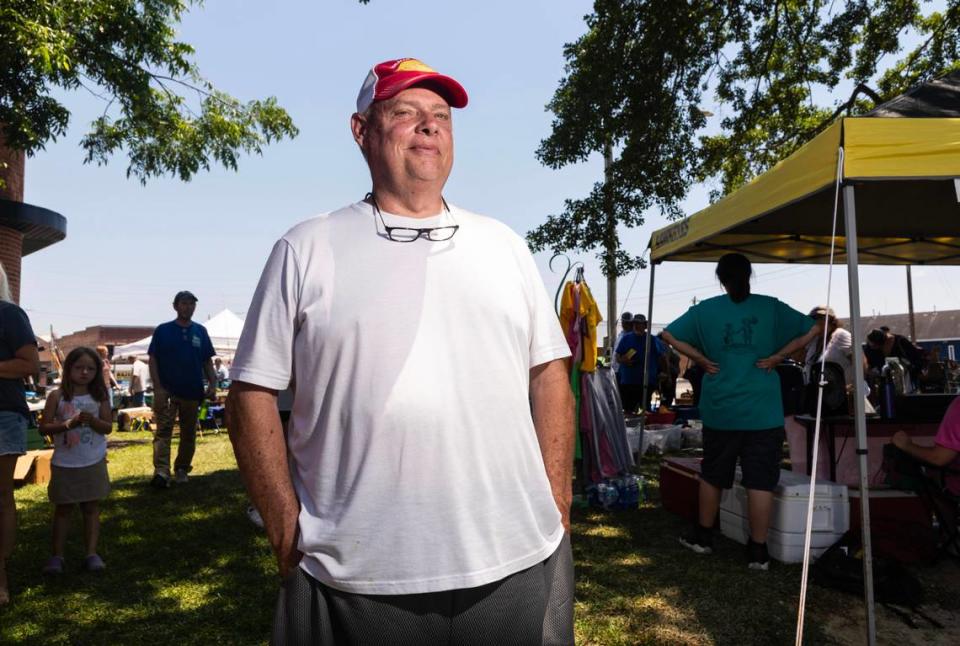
x=680 y=486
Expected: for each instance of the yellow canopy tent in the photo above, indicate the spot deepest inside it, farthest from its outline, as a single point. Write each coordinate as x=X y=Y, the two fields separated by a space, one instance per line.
x=902 y=175
x=904 y=171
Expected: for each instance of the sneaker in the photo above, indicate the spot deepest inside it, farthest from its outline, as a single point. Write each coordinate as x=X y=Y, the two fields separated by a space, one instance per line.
x=757 y=556
x=699 y=539
x=180 y=477
x=54 y=565
x=93 y=563
x=159 y=482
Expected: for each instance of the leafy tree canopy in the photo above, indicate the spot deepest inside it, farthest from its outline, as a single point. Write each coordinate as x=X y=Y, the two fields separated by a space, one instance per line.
x=636 y=81
x=157 y=107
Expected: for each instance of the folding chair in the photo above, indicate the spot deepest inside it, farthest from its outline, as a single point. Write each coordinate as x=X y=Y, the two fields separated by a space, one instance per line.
x=945 y=506
x=905 y=472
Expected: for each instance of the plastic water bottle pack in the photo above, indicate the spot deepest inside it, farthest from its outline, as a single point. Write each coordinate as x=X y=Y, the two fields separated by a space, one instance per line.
x=624 y=492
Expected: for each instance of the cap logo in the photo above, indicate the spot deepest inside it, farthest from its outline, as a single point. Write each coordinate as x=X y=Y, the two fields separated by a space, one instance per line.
x=413 y=65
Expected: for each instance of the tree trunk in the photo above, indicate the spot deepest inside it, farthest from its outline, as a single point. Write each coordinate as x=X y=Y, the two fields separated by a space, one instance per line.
x=612 y=317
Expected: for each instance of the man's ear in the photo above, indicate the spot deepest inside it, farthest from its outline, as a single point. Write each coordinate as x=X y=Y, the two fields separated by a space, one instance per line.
x=358 y=125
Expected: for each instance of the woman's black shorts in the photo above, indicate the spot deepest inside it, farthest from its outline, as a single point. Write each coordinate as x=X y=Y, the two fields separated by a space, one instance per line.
x=759 y=453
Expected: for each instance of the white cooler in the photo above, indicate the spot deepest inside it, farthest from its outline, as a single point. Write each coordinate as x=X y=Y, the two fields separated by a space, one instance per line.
x=831 y=516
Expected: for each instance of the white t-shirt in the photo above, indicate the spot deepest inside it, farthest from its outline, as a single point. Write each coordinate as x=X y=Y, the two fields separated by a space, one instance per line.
x=92 y=447
x=142 y=371
x=413 y=450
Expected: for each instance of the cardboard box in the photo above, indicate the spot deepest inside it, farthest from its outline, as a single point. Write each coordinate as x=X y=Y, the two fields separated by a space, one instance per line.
x=33 y=467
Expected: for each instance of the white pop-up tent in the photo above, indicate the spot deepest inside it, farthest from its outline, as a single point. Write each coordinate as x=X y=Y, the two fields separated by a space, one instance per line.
x=224 y=329
x=136 y=349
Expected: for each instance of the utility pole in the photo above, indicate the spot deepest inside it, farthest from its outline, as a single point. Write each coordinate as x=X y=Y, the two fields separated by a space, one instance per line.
x=913 y=321
x=612 y=318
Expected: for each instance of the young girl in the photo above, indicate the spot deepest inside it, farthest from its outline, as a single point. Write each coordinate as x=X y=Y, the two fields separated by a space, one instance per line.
x=78 y=417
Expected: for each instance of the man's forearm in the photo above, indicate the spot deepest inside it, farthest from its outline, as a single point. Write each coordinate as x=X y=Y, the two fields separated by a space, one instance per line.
x=16 y=368
x=154 y=376
x=211 y=374
x=261 y=451
x=553 y=413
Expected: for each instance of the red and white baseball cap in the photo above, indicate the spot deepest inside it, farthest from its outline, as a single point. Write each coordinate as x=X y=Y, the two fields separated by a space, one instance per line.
x=388 y=78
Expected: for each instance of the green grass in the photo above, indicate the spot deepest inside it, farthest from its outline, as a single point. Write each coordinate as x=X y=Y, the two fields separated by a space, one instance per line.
x=186 y=566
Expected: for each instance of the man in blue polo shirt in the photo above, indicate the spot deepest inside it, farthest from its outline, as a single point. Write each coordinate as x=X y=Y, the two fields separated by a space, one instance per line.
x=629 y=353
x=180 y=357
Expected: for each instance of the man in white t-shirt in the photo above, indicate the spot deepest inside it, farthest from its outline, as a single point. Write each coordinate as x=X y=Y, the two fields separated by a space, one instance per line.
x=139 y=382
x=428 y=490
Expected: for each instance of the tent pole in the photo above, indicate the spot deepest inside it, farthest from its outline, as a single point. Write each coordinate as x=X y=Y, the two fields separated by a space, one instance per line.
x=853 y=279
x=649 y=339
x=913 y=321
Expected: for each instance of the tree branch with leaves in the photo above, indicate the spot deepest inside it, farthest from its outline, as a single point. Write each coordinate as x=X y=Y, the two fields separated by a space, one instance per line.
x=157 y=107
x=638 y=77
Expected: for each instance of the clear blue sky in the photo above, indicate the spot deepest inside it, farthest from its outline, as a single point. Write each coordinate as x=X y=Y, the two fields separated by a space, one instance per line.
x=129 y=248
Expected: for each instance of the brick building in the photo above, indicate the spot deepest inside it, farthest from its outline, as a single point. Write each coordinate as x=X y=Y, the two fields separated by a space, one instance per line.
x=108 y=335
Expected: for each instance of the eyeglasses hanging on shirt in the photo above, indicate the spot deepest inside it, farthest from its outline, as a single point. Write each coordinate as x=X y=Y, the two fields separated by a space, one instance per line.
x=409 y=234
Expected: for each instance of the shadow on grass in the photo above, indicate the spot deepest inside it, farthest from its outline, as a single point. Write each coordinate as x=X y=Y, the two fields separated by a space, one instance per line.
x=185 y=566
x=636 y=584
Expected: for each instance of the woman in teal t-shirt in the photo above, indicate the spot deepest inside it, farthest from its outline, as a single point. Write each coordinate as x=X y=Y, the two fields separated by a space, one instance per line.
x=738 y=339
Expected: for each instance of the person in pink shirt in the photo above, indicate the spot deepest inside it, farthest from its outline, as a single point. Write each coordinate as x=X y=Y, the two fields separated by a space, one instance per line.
x=946 y=448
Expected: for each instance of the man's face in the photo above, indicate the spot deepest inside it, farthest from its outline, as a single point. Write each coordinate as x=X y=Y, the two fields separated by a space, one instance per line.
x=627 y=326
x=185 y=308
x=408 y=139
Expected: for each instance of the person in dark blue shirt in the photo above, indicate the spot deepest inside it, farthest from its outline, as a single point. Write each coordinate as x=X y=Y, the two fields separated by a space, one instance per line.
x=630 y=353
x=18 y=360
x=180 y=357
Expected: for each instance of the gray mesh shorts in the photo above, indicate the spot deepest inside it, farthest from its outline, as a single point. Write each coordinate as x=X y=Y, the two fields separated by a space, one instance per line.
x=528 y=608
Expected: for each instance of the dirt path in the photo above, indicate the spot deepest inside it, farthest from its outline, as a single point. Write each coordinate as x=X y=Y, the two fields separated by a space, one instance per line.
x=941 y=584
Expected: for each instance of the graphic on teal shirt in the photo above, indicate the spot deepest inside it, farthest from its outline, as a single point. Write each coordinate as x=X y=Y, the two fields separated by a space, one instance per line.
x=742 y=336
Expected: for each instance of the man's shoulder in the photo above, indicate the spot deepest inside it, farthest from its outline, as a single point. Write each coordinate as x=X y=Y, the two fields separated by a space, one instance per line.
x=307 y=230
x=164 y=328
x=483 y=222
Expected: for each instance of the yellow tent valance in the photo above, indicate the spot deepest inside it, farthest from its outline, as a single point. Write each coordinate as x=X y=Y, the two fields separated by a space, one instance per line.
x=908 y=211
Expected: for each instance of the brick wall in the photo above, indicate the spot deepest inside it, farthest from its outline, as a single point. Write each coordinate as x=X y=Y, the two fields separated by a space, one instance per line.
x=11 y=252
x=100 y=335
x=11 y=241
